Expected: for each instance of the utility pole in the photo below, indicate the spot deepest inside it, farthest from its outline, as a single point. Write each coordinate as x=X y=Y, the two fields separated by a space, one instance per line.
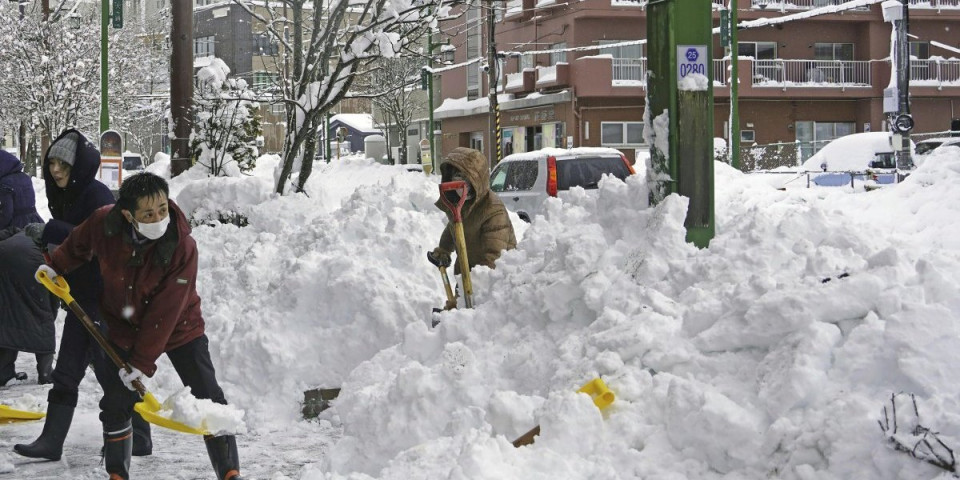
x=181 y=83
x=734 y=88
x=428 y=72
x=904 y=120
x=104 y=39
x=896 y=104
x=493 y=71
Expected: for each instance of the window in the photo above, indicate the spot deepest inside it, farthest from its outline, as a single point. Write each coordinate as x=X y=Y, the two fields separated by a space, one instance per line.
x=757 y=50
x=203 y=47
x=264 y=79
x=627 y=60
x=264 y=45
x=814 y=135
x=526 y=61
x=557 y=57
x=748 y=136
x=920 y=50
x=621 y=133
x=833 y=51
x=413 y=132
x=514 y=176
x=473 y=51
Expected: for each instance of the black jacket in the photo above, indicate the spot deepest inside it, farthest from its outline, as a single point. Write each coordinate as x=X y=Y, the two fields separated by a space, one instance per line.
x=27 y=309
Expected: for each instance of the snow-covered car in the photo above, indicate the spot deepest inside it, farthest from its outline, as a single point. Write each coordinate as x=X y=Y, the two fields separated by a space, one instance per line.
x=850 y=157
x=938 y=144
x=524 y=180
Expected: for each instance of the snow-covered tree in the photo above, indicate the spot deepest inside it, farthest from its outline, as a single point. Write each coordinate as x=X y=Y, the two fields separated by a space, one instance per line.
x=226 y=123
x=327 y=46
x=50 y=71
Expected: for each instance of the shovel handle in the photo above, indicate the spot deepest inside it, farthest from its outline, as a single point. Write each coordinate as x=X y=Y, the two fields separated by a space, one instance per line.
x=446 y=283
x=464 y=263
x=59 y=287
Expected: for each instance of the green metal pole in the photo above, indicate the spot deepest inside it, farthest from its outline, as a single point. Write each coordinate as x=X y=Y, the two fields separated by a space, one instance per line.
x=734 y=89
x=680 y=94
x=104 y=20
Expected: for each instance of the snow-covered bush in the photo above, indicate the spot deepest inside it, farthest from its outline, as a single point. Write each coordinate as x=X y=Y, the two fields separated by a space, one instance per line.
x=227 y=122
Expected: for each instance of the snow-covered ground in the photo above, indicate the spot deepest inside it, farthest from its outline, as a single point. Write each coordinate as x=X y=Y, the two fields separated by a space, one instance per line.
x=768 y=355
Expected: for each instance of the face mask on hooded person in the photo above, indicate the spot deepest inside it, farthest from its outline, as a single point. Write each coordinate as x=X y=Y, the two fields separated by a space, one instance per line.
x=459 y=176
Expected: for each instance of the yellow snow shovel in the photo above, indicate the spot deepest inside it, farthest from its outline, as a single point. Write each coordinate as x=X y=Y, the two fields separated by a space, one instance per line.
x=460 y=187
x=148 y=406
x=10 y=415
x=598 y=391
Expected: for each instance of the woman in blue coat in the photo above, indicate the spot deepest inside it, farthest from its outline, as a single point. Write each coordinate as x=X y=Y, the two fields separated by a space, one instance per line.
x=27 y=315
x=73 y=193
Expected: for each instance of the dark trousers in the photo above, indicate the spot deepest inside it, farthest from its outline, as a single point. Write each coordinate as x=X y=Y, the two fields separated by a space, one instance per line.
x=193 y=365
x=77 y=350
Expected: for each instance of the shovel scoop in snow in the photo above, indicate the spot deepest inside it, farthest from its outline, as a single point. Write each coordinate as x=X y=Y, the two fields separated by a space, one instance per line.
x=148 y=407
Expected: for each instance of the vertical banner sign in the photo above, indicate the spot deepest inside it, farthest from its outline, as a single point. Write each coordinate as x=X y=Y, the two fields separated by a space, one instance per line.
x=724 y=28
x=691 y=59
x=117 y=14
x=111 y=159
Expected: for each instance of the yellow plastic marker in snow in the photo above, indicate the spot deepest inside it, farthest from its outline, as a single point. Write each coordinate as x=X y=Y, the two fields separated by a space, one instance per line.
x=602 y=398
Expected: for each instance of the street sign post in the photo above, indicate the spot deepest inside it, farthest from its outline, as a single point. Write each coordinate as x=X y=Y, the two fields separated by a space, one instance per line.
x=111 y=159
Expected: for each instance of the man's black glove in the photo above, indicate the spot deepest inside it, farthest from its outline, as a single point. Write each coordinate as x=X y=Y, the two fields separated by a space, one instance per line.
x=35 y=232
x=439 y=257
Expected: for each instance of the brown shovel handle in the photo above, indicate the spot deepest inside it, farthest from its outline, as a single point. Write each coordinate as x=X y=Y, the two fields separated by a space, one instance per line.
x=98 y=336
x=527 y=438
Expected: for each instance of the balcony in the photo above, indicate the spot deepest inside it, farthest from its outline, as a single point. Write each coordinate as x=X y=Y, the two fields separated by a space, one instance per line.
x=935 y=72
x=554 y=76
x=936 y=4
x=521 y=82
x=518 y=10
x=781 y=73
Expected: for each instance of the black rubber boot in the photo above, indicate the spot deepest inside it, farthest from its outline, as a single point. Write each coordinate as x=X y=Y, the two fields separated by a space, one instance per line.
x=223 y=456
x=117 y=446
x=8 y=360
x=55 y=428
x=44 y=368
x=142 y=443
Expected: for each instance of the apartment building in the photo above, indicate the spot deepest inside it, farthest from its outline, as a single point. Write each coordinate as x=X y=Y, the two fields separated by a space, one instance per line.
x=803 y=82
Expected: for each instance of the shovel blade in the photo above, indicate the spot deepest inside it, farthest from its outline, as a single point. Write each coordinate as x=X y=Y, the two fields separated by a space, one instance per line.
x=10 y=415
x=149 y=408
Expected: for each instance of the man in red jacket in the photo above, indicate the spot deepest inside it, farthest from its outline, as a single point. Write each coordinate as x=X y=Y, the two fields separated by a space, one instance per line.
x=149 y=265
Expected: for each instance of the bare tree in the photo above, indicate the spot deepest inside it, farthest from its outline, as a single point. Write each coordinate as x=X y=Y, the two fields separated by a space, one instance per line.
x=401 y=101
x=325 y=47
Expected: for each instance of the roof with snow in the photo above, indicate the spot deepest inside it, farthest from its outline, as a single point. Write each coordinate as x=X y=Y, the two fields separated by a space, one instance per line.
x=362 y=122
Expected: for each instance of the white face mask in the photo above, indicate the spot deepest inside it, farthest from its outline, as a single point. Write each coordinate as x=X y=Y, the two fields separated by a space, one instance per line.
x=154 y=230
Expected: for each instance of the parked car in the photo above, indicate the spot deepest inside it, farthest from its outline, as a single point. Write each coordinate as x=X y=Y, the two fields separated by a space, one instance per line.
x=848 y=158
x=524 y=180
x=132 y=161
x=926 y=147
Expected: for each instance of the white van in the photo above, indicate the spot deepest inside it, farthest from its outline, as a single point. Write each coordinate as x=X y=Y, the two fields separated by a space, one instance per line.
x=524 y=180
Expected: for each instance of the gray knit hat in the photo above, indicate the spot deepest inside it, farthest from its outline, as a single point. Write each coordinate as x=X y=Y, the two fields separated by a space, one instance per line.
x=65 y=148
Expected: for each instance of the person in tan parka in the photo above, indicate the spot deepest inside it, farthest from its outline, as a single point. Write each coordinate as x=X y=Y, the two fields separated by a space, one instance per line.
x=487 y=230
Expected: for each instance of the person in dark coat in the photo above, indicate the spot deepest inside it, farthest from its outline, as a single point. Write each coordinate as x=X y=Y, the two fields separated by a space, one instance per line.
x=18 y=203
x=26 y=315
x=150 y=303
x=70 y=168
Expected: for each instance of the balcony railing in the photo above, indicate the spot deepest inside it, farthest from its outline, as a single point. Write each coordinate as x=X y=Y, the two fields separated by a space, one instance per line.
x=784 y=5
x=934 y=73
x=810 y=73
x=629 y=71
x=935 y=4
x=721 y=71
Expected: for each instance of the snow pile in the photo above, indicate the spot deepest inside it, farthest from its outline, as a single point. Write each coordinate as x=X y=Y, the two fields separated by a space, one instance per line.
x=183 y=407
x=768 y=355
